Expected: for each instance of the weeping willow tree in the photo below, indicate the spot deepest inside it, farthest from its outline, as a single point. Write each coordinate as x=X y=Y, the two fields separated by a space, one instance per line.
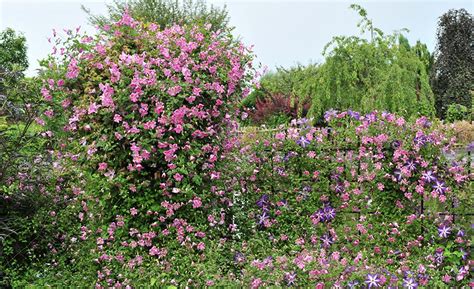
x=383 y=73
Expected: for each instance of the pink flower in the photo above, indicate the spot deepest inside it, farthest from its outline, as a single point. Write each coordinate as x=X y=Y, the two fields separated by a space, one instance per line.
x=92 y=108
x=133 y=211
x=117 y=118
x=197 y=202
x=178 y=177
x=215 y=175
x=256 y=283
x=102 y=166
x=106 y=97
x=46 y=95
x=174 y=90
x=72 y=69
x=201 y=246
x=280 y=136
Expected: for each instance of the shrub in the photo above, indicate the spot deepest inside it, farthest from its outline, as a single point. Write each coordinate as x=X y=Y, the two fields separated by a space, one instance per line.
x=296 y=83
x=456 y=112
x=274 y=110
x=142 y=115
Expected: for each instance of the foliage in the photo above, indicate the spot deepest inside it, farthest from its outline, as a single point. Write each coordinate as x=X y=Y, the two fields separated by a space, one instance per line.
x=463 y=131
x=335 y=205
x=274 y=110
x=165 y=13
x=24 y=176
x=294 y=84
x=383 y=73
x=453 y=73
x=139 y=119
x=13 y=58
x=456 y=112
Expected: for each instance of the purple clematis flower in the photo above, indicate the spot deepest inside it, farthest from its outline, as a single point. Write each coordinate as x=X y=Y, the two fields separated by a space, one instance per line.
x=411 y=165
x=410 y=283
x=290 y=278
x=372 y=280
x=327 y=240
x=339 y=188
x=397 y=174
x=444 y=231
x=289 y=155
x=319 y=214
x=329 y=213
x=464 y=254
x=396 y=144
x=330 y=114
x=439 y=187
x=428 y=176
x=303 y=142
x=354 y=114
x=263 y=201
x=262 y=218
x=239 y=257
x=470 y=147
x=352 y=284
x=420 y=140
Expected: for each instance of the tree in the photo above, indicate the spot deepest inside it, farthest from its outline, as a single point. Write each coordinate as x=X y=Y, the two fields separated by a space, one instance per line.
x=383 y=73
x=164 y=13
x=453 y=72
x=13 y=58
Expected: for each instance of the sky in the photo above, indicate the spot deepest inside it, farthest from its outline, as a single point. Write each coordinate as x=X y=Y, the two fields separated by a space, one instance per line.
x=283 y=33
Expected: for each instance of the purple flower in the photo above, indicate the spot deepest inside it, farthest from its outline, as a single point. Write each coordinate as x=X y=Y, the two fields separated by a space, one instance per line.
x=352 y=284
x=420 y=140
x=397 y=174
x=262 y=218
x=439 y=257
x=395 y=144
x=263 y=201
x=319 y=214
x=461 y=233
x=239 y=257
x=410 y=283
x=327 y=240
x=355 y=115
x=464 y=254
x=329 y=213
x=371 y=117
x=289 y=155
x=444 y=231
x=470 y=147
x=290 y=278
x=330 y=114
x=339 y=188
x=305 y=192
x=439 y=187
x=428 y=176
x=411 y=165
x=303 y=142
x=280 y=170
x=372 y=280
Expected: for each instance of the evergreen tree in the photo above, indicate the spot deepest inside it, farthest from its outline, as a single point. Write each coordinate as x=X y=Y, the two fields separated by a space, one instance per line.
x=453 y=72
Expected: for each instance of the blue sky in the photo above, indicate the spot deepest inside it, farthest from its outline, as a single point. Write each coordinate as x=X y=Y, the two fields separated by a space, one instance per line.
x=283 y=33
